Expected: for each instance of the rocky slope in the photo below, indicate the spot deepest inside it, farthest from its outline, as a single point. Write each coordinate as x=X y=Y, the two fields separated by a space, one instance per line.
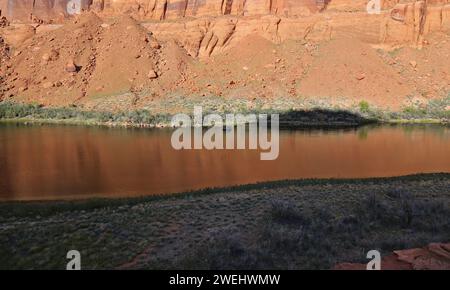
x=252 y=49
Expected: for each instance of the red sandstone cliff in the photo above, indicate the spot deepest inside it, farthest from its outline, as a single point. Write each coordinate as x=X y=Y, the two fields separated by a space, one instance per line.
x=276 y=20
x=164 y=9
x=173 y=9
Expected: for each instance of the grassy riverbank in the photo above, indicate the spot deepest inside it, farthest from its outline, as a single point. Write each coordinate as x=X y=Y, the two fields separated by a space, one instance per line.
x=300 y=224
x=291 y=114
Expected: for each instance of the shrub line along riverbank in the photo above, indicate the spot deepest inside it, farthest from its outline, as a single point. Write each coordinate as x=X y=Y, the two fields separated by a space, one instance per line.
x=314 y=117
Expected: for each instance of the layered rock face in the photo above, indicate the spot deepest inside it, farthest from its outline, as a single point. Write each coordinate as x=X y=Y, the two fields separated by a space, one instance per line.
x=206 y=27
x=162 y=9
x=29 y=10
x=172 y=9
x=397 y=23
x=411 y=21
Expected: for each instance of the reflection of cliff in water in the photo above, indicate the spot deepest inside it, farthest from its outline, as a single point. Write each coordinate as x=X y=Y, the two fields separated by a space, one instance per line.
x=57 y=162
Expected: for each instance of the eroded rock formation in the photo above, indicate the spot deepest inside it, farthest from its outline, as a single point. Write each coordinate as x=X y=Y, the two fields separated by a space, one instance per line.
x=405 y=23
x=202 y=32
x=42 y=10
x=208 y=27
x=163 y=9
x=173 y=9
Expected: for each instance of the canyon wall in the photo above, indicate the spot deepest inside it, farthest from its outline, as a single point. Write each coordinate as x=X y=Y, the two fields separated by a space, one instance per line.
x=29 y=10
x=160 y=9
x=398 y=23
x=196 y=24
x=172 y=9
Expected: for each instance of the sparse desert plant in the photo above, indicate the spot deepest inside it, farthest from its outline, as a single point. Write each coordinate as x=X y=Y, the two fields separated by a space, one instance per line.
x=9 y=110
x=364 y=107
x=283 y=211
x=294 y=238
x=414 y=111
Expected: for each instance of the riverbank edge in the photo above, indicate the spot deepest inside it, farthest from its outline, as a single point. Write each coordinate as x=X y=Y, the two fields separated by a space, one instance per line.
x=287 y=125
x=289 y=119
x=16 y=209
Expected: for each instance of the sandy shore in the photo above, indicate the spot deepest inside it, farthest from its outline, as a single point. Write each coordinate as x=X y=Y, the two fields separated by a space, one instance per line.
x=305 y=224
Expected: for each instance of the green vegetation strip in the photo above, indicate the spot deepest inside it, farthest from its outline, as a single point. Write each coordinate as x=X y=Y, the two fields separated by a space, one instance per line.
x=73 y=115
x=436 y=111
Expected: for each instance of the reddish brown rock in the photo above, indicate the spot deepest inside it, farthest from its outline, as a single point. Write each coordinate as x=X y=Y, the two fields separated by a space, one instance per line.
x=47 y=85
x=152 y=74
x=17 y=35
x=154 y=44
x=360 y=76
x=70 y=66
x=22 y=89
x=435 y=256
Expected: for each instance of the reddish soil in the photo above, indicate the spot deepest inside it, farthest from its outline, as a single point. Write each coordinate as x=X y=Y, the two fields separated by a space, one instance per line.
x=350 y=68
x=118 y=63
x=110 y=59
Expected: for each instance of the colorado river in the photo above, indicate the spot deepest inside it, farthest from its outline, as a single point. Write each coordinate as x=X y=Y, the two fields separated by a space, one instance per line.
x=60 y=162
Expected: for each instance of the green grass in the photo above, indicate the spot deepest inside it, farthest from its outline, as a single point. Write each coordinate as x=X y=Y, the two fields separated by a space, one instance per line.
x=33 y=112
x=291 y=111
x=435 y=111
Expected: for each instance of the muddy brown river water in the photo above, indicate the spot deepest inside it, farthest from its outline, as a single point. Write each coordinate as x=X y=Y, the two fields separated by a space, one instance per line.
x=61 y=162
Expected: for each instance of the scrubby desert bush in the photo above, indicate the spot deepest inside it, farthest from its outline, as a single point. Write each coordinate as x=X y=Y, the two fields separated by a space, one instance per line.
x=10 y=110
x=434 y=109
x=286 y=212
x=364 y=107
x=292 y=237
x=225 y=250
